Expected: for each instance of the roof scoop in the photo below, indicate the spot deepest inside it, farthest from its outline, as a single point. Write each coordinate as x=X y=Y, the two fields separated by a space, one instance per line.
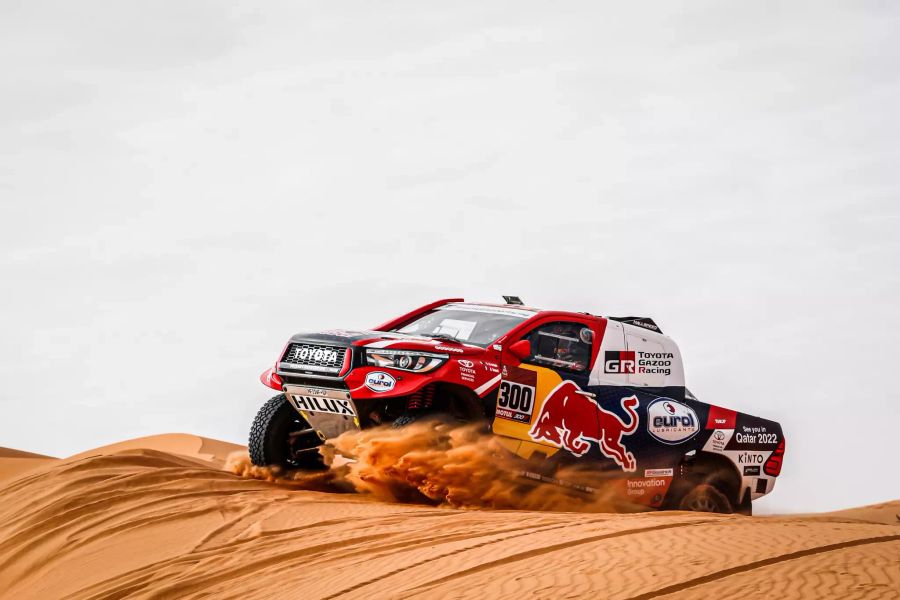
x=645 y=322
x=513 y=300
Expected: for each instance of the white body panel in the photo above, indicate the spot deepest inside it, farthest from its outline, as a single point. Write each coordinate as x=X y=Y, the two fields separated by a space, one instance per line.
x=646 y=359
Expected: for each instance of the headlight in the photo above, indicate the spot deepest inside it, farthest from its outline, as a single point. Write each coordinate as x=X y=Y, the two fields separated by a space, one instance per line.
x=405 y=360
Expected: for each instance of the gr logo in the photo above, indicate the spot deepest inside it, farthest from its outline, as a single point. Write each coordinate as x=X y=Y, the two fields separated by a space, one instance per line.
x=619 y=361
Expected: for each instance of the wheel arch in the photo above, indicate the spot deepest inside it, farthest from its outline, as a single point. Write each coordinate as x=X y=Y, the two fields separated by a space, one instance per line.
x=716 y=469
x=462 y=400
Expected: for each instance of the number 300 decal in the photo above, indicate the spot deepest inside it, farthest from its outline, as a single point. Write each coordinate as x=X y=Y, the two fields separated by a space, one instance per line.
x=515 y=401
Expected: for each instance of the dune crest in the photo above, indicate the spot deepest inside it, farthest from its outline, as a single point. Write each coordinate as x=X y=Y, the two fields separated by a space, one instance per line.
x=185 y=444
x=13 y=462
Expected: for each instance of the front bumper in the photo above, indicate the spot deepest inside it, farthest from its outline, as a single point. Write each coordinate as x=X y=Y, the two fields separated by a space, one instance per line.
x=329 y=411
x=350 y=397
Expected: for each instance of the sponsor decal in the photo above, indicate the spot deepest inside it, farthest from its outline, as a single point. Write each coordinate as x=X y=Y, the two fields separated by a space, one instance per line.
x=645 y=324
x=671 y=422
x=637 y=361
x=570 y=419
x=346 y=334
x=491 y=310
x=751 y=471
x=490 y=367
x=720 y=418
x=334 y=406
x=750 y=458
x=466 y=370
x=378 y=381
x=718 y=440
x=450 y=349
x=753 y=437
x=515 y=401
x=639 y=487
x=655 y=363
x=658 y=473
x=497 y=347
x=317 y=354
x=618 y=361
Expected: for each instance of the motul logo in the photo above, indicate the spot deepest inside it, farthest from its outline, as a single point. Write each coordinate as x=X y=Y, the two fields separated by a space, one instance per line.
x=619 y=361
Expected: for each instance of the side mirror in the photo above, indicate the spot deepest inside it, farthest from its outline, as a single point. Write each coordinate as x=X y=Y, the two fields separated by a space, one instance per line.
x=521 y=349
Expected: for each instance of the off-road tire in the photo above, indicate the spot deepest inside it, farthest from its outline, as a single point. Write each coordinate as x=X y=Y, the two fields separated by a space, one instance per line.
x=269 y=437
x=706 y=497
x=270 y=421
x=404 y=420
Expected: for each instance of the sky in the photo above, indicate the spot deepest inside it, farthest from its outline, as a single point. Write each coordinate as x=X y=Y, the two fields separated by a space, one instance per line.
x=185 y=184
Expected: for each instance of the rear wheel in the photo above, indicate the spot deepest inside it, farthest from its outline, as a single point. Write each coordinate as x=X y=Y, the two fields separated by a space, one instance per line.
x=281 y=436
x=705 y=498
x=706 y=484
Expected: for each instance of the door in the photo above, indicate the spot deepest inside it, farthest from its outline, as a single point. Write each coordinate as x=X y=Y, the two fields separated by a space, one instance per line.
x=560 y=357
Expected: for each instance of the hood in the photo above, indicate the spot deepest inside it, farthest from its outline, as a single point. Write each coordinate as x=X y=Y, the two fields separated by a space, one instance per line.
x=384 y=339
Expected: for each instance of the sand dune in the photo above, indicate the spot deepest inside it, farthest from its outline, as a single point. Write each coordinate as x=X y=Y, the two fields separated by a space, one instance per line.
x=168 y=521
x=16 y=462
x=183 y=444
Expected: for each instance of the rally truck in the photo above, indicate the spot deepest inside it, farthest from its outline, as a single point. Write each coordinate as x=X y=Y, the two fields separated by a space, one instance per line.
x=558 y=388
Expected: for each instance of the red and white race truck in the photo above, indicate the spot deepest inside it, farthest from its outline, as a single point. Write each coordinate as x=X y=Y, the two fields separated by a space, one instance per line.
x=556 y=387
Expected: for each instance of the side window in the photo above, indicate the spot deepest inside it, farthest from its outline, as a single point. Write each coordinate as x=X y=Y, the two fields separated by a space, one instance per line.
x=561 y=345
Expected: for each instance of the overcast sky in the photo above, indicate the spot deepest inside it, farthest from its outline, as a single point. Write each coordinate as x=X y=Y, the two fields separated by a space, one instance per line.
x=184 y=184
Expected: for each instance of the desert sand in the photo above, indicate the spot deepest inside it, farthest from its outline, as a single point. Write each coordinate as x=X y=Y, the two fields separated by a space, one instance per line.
x=15 y=462
x=169 y=516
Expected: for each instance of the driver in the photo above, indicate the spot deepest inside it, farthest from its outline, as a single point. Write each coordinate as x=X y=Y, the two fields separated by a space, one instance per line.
x=572 y=346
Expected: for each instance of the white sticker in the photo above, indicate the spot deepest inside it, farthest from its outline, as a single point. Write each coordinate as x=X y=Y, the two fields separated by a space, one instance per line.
x=671 y=422
x=657 y=472
x=491 y=310
x=378 y=381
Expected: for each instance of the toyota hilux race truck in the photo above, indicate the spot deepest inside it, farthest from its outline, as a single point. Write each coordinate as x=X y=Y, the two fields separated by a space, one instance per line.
x=557 y=388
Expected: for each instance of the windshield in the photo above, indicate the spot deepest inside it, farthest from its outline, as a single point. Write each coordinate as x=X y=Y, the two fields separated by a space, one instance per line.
x=473 y=325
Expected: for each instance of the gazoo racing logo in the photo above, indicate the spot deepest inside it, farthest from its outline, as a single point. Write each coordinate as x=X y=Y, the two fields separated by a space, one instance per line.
x=671 y=422
x=638 y=361
x=619 y=361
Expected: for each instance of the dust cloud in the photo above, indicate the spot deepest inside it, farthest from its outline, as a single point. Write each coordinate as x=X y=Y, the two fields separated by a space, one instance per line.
x=437 y=464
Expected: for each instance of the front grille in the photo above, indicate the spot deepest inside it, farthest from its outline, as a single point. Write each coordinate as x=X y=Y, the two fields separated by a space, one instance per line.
x=314 y=357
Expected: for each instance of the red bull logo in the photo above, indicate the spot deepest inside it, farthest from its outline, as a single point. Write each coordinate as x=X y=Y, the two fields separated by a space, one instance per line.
x=571 y=419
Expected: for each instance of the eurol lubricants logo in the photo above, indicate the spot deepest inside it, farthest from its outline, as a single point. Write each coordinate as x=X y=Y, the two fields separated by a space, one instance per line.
x=671 y=422
x=380 y=382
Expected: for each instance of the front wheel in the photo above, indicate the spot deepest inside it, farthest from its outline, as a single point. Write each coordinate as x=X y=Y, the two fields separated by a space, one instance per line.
x=281 y=436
